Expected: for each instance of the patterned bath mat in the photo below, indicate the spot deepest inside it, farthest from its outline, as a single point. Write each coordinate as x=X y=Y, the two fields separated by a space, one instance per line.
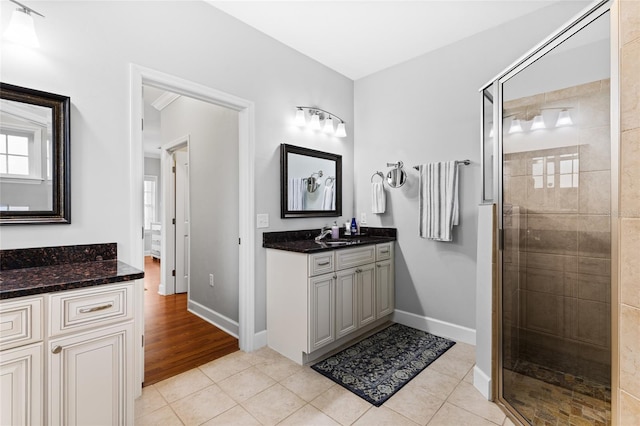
x=378 y=366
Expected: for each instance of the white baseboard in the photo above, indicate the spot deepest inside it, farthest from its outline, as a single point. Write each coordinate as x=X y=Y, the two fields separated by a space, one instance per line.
x=260 y=339
x=482 y=382
x=437 y=327
x=225 y=324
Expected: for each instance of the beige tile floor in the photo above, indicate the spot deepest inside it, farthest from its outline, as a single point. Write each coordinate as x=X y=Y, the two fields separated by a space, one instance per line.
x=265 y=388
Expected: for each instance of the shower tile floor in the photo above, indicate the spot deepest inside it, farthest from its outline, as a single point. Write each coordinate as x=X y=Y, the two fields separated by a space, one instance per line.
x=549 y=404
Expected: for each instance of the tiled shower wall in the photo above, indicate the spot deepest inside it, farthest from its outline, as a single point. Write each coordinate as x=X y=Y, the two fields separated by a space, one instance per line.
x=557 y=254
x=629 y=303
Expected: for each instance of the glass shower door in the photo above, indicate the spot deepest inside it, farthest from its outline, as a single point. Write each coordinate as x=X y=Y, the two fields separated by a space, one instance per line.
x=556 y=257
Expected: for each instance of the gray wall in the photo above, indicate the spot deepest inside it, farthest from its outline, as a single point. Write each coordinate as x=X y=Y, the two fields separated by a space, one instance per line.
x=213 y=198
x=424 y=110
x=190 y=40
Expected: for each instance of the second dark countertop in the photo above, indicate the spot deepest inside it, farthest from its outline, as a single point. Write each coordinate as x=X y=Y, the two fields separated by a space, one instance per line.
x=303 y=241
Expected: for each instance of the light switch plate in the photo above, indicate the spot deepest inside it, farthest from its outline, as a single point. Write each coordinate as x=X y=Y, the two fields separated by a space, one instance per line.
x=262 y=220
x=363 y=218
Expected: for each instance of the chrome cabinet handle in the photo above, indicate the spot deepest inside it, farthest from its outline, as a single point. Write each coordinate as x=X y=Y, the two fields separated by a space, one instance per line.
x=384 y=251
x=56 y=349
x=358 y=271
x=96 y=308
x=379 y=266
x=323 y=263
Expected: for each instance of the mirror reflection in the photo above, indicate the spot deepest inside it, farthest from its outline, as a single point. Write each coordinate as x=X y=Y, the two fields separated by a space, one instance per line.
x=25 y=157
x=310 y=182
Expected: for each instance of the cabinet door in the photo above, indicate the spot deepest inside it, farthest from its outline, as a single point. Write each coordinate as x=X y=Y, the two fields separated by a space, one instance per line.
x=366 y=278
x=321 y=311
x=88 y=377
x=385 y=288
x=346 y=305
x=21 y=384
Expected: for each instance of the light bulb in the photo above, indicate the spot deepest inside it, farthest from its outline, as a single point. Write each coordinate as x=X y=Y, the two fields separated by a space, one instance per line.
x=564 y=119
x=300 y=118
x=328 y=125
x=341 y=132
x=515 y=126
x=538 y=123
x=314 y=124
x=21 y=29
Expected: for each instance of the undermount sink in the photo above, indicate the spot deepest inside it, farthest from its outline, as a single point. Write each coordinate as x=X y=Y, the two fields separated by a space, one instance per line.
x=339 y=242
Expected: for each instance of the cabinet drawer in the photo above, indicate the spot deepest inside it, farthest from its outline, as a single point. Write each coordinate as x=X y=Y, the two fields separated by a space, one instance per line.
x=82 y=309
x=20 y=323
x=320 y=263
x=348 y=258
x=384 y=251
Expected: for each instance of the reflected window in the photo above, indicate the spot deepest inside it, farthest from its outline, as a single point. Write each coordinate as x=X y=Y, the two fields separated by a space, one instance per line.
x=565 y=168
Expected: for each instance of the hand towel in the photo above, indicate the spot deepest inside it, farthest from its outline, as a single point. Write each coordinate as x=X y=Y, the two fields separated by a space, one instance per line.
x=378 y=198
x=328 y=200
x=295 y=194
x=438 y=200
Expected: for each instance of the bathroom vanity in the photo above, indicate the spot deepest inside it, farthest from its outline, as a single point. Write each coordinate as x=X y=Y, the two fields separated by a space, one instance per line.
x=68 y=336
x=321 y=296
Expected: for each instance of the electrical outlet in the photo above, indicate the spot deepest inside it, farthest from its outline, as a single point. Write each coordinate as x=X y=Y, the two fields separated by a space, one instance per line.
x=211 y=280
x=363 y=218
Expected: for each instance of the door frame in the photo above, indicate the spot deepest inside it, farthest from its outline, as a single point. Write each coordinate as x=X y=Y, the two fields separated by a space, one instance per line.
x=140 y=76
x=168 y=240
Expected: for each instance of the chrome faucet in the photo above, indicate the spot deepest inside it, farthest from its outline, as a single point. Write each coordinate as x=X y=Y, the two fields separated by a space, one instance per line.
x=326 y=230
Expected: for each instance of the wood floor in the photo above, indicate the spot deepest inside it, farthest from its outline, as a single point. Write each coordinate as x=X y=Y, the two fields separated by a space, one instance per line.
x=175 y=339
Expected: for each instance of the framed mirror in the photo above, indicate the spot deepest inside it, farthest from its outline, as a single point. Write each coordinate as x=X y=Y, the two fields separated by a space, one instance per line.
x=310 y=182
x=34 y=156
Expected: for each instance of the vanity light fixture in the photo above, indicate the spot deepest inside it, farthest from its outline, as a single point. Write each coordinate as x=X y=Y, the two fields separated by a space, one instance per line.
x=316 y=115
x=21 y=29
x=515 y=127
x=538 y=123
x=564 y=119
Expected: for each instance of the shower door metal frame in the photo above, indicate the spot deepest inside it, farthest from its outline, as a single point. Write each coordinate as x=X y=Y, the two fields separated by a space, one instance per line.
x=577 y=23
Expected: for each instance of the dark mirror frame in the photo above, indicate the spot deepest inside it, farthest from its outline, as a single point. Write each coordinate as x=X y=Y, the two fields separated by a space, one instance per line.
x=61 y=163
x=285 y=150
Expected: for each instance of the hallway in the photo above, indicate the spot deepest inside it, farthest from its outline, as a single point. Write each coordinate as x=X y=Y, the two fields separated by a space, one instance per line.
x=175 y=339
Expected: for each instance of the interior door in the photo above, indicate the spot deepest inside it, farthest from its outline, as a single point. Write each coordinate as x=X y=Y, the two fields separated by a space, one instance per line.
x=182 y=220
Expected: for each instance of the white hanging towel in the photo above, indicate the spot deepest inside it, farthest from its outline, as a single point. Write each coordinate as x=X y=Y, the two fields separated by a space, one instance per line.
x=438 y=200
x=378 y=198
x=328 y=200
x=295 y=194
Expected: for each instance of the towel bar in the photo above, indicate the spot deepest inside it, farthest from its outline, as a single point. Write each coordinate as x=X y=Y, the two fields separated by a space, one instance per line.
x=465 y=162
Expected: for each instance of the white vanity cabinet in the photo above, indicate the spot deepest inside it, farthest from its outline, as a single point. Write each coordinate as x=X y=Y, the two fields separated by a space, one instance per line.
x=21 y=362
x=317 y=302
x=82 y=364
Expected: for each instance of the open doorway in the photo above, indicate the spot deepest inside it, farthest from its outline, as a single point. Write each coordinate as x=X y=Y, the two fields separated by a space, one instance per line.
x=139 y=76
x=182 y=326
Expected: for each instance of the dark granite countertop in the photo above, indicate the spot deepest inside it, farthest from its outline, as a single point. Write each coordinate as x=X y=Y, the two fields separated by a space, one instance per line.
x=303 y=241
x=27 y=272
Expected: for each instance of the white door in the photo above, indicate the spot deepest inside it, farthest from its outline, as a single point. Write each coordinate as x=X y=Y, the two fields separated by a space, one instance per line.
x=182 y=221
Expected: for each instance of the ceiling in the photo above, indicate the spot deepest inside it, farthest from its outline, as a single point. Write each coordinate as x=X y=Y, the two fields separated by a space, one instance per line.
x=357 y=38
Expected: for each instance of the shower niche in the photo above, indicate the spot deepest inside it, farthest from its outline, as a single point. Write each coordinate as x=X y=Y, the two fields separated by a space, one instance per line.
x=547 y=146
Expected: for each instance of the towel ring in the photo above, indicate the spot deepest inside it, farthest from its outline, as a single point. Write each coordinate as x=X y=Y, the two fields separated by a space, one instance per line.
x=326 y=181
x=377 y=174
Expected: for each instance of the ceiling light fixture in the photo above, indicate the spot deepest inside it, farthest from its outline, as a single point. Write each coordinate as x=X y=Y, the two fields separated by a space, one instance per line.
x=21 y=29
x=317 y=115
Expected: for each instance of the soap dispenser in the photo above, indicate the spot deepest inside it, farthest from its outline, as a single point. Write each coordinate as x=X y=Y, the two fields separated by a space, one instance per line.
x=335 y=231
